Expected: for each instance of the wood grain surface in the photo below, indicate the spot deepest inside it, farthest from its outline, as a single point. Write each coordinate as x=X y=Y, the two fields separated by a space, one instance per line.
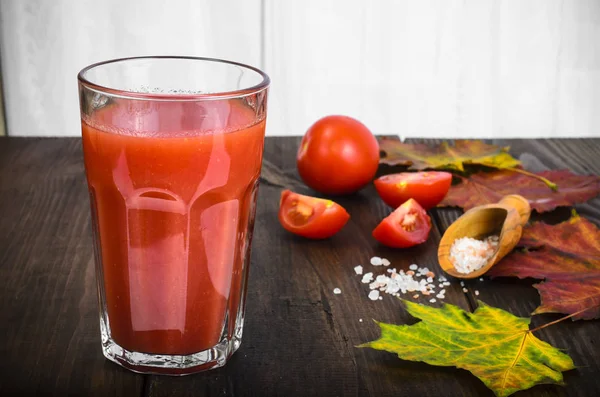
x=299 y=337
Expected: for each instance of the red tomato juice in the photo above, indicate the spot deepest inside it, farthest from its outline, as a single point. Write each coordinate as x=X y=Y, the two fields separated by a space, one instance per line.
x=172 y=187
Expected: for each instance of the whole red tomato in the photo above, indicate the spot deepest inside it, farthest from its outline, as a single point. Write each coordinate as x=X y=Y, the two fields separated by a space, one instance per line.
x=338 y=155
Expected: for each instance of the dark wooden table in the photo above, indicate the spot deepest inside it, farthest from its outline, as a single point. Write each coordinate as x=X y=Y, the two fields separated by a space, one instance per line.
x=299 y=337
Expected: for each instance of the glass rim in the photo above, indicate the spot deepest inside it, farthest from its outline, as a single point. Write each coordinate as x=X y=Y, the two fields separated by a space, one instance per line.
x=266 y=81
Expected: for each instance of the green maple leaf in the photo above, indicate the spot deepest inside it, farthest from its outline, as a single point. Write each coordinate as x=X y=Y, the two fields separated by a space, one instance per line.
x=491 y=343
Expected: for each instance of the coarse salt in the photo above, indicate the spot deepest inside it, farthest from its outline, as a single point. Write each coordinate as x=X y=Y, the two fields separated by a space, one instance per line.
x=469 y=254
x=376 y=261
x=358 y=269
x=417 y=281
x=374 y=295
x=476 y=292
x=337 y=291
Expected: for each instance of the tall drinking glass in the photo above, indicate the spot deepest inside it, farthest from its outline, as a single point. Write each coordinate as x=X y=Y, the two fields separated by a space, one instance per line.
x=173 y=150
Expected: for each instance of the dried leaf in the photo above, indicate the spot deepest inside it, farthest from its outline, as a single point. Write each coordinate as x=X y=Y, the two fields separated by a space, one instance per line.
x=274 y=176
x=567 y=256
x=491 y=343
x=419 y=156
x=490 y=187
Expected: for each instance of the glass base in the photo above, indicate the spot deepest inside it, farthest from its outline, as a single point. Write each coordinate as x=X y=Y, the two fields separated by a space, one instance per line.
x=164 y=364
x=175 y=365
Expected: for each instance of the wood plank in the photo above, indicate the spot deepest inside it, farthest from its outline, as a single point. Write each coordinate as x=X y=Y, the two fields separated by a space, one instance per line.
x=300 y=338
x=49 y=311
x=578 y=339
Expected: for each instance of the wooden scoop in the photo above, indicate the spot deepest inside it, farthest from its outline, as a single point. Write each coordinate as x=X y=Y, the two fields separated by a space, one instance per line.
x=505 y=219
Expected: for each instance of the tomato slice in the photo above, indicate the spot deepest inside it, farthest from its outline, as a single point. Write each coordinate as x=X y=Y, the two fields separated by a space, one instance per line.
x=428 y=188
x=408 y=225
x=310 y=217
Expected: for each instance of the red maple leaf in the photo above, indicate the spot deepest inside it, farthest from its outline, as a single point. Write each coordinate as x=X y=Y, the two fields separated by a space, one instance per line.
x=567 y=257
x=490 y=187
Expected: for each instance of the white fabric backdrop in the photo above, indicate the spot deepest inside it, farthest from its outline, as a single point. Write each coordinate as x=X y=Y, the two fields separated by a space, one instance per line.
x=487 y=68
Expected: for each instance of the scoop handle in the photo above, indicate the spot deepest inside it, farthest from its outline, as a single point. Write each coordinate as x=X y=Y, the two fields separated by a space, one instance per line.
x=519 y=203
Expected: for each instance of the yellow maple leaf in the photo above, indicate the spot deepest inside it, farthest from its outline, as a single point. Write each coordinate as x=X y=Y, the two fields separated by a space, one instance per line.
x=419 y=156
x=491 y=343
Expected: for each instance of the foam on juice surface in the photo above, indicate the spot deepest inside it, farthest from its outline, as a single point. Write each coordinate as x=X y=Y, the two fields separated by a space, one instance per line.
x=172 y=119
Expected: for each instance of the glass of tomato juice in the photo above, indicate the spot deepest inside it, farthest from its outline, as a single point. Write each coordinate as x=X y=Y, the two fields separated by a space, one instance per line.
x=173 y=151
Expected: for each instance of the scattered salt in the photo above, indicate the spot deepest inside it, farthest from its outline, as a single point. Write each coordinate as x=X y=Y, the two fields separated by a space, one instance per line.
x=462 y=283
x=337 y=291
x=376 y=261
x=480 y=278
x=476 y=292
x=417 y=281
x=465 y=290
x=360 y=319
x=469 y=254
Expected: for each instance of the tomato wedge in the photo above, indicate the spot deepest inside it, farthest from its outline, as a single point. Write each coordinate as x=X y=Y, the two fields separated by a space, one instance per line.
x=408 y=225
x=428 y=188
x=310 y=217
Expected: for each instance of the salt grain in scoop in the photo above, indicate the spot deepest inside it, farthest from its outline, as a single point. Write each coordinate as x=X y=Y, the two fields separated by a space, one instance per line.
x=469 y=254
